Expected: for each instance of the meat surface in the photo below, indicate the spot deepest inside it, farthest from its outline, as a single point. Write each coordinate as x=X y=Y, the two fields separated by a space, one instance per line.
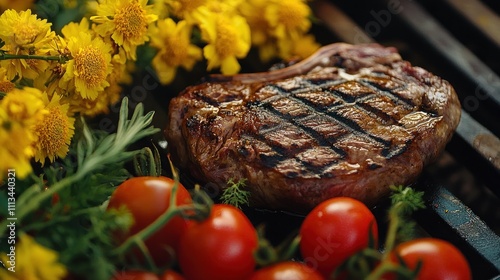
x=351 y=120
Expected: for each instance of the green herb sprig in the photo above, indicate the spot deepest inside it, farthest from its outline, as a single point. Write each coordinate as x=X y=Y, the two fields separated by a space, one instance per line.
x=235 y=194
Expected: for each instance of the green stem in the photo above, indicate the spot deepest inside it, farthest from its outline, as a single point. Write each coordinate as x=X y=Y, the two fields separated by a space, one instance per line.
x=144 y=250
x=59 y=58
x=146 y=232
x=392 y=231
x=383 y=269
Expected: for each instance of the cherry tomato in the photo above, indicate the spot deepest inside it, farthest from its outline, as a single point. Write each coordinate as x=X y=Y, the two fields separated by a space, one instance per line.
x=135 y=275
x=220 y=247
x=171 y=275
x=333 y=231
x=147 y=198
x=441 y=260
x=287 y=270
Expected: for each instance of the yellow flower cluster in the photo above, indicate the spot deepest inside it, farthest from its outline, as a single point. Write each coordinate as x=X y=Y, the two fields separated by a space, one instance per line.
x=229 y=28
x=77 y=72
x=33 y=262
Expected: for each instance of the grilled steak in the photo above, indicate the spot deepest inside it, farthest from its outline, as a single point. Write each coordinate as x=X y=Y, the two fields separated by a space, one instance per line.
x=351 y=120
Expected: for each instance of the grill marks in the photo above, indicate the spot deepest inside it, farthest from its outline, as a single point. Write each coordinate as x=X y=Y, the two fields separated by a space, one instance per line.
x=309 y=122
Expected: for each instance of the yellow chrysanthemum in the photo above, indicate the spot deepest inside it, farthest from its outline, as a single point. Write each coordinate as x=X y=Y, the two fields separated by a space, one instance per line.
x=33 y=262
x=126 y=21
x=110 y=96
x=183 y=9
x=174 y=49
x=23 y=30
x=72 y=29
x=288 y=18
x=20 y=110
x=253 y=11
x=23 y=105
x=228 y=38
x=24 y=33
x=54 y=132
x=15 y=146
x=88 y=71
x=5 y=84
x=224 y=6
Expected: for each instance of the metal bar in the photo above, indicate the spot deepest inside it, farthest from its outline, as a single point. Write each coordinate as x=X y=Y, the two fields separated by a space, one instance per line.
x=481 y=16
x=339 y=23
x=483 y=141
x=446 y=217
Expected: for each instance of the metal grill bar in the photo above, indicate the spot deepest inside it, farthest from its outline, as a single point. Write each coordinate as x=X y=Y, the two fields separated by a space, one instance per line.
x=481 y=16
x=450 y=48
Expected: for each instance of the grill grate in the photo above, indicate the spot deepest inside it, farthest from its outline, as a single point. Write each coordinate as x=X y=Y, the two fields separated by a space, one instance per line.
x=463 y=213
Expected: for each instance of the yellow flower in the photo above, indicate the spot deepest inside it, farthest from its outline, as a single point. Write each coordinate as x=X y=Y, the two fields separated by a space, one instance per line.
x=23 y=105
x=18 y=5
x=24 y=33
x=224 y=6
x=88 y=71
x=175 y=49
x=54 y=132
x=5 y=84
x=20 y=110
x=33 y=262
x=110 y=96
x=127 y=21
x=299 y=48
x=288 y=18
x=72 y=29
x=15 y=147
x=253 y=11
x=228 y=38
x=183 y=9
x=22 y=30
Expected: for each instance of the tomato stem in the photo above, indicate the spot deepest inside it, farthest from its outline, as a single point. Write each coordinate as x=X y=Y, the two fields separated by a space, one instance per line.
x=189 y=211
x=144 y=250
x=172 y=211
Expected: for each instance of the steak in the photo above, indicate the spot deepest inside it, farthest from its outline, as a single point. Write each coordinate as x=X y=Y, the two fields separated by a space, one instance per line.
x=351 y=120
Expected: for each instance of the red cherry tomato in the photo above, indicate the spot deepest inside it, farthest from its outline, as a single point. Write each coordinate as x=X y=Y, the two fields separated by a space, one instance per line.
x=441 y=260
x=135 y=275
x=288 y=270
x=171 y=275
x=333 y=231
x=147 y=198
x=220 y=247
